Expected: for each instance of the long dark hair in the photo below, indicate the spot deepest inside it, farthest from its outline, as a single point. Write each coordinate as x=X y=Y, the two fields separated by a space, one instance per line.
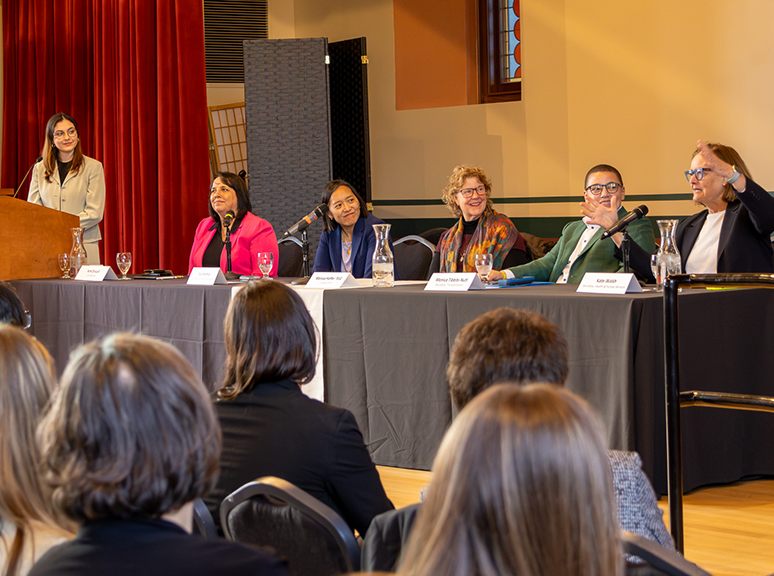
x=327 y=192
x=269 y=337
x=50 y=152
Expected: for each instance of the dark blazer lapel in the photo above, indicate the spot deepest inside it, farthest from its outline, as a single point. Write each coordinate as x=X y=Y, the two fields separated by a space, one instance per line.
x=732 y=211
x=334 y=249
x=690 y=235
x=357 y=237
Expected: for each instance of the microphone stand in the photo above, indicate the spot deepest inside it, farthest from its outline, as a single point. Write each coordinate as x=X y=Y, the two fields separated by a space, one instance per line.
x=229 y=274
x=625 y=250
x=305 y=255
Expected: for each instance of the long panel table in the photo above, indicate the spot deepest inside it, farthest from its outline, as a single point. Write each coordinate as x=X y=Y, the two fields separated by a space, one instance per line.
x=386 y=351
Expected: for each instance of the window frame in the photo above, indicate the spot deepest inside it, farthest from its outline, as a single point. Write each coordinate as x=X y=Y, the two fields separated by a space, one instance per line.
x=491 y=89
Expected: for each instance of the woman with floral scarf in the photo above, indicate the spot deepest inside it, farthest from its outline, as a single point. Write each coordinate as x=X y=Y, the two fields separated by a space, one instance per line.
x=480 y=230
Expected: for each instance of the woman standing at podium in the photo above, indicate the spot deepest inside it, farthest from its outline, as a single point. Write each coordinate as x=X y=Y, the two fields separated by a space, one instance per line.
x=67 y=180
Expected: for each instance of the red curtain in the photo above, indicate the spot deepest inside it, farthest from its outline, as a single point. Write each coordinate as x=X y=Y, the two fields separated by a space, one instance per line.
x=132 y=73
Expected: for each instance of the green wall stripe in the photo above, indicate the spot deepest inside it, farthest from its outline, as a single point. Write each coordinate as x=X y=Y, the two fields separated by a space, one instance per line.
x=537 y=200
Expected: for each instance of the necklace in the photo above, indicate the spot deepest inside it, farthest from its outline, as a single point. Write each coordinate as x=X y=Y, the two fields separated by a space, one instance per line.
x=348 y=246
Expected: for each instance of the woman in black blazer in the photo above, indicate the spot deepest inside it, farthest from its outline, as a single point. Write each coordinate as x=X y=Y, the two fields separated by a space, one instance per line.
x=733 y=233
x=270 y=428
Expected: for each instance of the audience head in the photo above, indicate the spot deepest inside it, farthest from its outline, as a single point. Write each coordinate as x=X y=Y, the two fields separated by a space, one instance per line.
x=521 y=485
x=517 y=346
x=27 y=380
x=469 y=179
x=269 y=337
x=344 y=204
x=131 y=432
x=711 y=181
x=12 y=310
x=231 y=193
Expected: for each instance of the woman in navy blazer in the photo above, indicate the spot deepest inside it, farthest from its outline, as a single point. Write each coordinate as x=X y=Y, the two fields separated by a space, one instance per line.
x=733 y=233
x=348 y=242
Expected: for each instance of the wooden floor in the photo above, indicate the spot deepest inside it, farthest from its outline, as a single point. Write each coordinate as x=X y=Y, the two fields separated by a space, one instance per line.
x=729 y=529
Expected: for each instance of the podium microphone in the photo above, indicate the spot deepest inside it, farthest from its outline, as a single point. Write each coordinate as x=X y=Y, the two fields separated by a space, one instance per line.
x=305 y=221
x=635 y=214
x=27 y=174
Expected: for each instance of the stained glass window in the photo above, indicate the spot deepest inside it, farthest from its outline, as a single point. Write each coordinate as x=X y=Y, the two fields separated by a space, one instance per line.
x=510 y=38
x=500 y=64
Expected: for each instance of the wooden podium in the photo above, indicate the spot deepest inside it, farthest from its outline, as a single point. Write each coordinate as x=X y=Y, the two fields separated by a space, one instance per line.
x=31 y=237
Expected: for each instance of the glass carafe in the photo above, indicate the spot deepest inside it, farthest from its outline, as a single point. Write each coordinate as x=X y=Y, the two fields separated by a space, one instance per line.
x=78 y=255
x=382 y=261
x=668 y=256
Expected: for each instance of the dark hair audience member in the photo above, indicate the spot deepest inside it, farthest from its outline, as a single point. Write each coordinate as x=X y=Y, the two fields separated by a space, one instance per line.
x=521 y=486
x=505 y=344
x=28 y=523
x=12 y=309
x=130 y=441
x=270 y=428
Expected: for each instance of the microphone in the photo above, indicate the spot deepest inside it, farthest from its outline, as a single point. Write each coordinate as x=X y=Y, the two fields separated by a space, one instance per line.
x=619 y=226
x=228 y=219
x=305 y=221
x=27 y=174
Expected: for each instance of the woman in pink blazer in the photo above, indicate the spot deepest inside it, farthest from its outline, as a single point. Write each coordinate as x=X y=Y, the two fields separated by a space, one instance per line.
x=249 y=233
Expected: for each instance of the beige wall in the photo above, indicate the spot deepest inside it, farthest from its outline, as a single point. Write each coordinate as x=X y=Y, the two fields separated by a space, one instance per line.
x=631 y=84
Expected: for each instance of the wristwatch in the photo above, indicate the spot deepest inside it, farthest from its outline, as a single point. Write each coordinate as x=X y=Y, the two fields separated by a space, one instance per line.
x=734 y=177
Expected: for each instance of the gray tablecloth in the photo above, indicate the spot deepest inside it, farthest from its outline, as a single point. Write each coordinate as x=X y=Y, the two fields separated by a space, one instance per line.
x=386 y=352
x=66 y=313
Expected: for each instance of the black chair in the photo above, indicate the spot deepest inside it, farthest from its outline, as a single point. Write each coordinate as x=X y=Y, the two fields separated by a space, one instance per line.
x=413 y=255
x=676 y=399
x=203 y=522
x=291 y=258
x=515 y=258
x=659 y=559
x=433 y=235
x=308 y=534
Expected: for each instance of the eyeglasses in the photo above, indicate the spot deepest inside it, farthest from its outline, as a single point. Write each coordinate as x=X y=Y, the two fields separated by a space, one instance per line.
x=27 y=320
x=468 y=192
x=58 y=135
x=596 y=189
x=698 y=172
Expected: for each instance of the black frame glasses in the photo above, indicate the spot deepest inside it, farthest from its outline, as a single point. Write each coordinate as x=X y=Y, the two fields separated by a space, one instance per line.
x=596 y=189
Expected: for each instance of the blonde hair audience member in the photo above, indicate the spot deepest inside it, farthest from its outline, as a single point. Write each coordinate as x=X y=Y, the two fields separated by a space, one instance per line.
x=521 y=486
x=29 y=525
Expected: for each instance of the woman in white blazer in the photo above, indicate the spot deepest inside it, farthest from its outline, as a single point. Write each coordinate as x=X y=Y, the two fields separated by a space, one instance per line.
x=67 y=180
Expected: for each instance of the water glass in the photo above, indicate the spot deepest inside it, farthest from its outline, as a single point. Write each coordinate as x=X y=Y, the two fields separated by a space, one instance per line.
x=483 y=265
x=265 y=263
x=64 y=264
x=655 y=261
x=124 y=261
x=77 y=261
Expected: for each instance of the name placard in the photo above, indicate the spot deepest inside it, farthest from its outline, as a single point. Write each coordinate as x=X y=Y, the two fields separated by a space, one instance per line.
x=332 y=280
x=206 y=277
x=455 y=282
x=608 y=283
x=96 y=273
